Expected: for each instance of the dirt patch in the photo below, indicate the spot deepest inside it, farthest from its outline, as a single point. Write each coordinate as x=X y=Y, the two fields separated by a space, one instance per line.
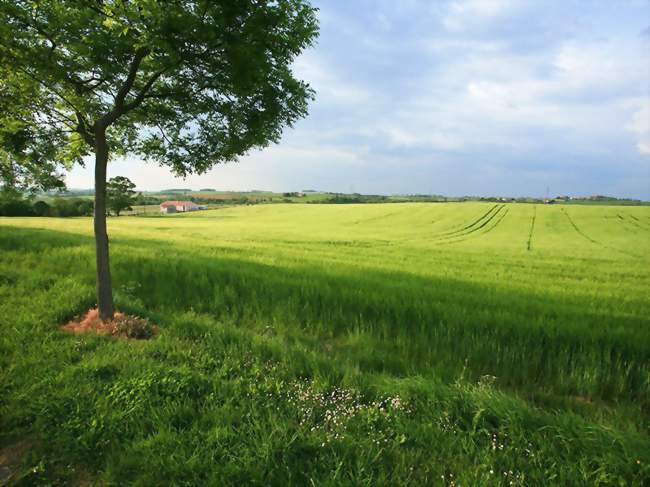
x=10 y=459
x=122 y=325
x=582 y=399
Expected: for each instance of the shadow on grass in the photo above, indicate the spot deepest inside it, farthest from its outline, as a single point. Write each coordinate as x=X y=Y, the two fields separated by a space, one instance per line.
x=27 y=239
x=391 y=322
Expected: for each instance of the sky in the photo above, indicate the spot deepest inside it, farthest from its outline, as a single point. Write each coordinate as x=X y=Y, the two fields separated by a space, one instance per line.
x=457 y=97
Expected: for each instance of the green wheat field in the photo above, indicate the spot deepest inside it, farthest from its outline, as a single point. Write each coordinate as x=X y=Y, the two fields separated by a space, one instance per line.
x=417 y=344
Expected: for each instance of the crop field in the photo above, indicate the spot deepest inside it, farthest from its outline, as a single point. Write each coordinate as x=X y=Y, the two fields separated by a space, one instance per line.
x=411 y=343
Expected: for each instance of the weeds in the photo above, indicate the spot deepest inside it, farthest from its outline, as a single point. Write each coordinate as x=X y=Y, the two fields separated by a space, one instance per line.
x=133 y=327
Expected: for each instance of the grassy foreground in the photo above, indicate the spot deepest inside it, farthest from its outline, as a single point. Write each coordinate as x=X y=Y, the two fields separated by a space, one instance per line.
x=423 y=344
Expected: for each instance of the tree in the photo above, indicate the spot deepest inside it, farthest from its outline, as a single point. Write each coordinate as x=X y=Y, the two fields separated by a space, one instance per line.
x=120 y=194
x=65 y=207
x=13 y=204
x=41 y=208
x=28 y=173
x=187 y=84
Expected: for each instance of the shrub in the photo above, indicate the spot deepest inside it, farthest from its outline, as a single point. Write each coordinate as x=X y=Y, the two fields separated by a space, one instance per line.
x=41 y=208
x=15 y=207
x=85 y=207
x=72 y=207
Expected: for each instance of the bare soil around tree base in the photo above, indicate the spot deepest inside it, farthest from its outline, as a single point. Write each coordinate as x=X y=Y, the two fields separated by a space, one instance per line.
x=122 y=325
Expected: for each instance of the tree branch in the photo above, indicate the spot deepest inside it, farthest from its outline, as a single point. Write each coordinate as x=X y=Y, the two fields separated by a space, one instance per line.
x=86 y=85
x=143 y=92
x=45 y=85
x=82 y=129
x=140 y=54
x=58 y=117
x=162 y=132
x=81 y=86
x=118 y=107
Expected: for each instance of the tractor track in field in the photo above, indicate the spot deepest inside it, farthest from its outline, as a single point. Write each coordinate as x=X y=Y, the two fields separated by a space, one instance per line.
x=637 y=222
x=457 y=230
x=472 y=227
x=501 y=217
x=529 y=245
x=498 y=214
x=587 y=237
x=632 y=220
x=378 y=217
x=579 y=232
x=640 y=222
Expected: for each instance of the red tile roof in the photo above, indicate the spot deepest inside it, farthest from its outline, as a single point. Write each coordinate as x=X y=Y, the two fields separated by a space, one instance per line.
x=177 y=203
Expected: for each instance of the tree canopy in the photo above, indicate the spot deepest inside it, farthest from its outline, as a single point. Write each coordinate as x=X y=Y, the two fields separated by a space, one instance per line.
x=120 y=194
x=28 y=175
x=185 y=83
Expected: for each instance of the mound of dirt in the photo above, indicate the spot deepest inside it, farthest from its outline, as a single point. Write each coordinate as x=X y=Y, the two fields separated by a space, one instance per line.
x=122 y=325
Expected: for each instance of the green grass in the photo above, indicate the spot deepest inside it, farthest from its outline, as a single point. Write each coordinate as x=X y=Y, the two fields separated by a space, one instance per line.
x=335 y=344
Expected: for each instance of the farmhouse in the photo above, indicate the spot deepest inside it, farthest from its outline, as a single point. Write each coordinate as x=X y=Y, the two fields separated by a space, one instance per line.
x=177 y=206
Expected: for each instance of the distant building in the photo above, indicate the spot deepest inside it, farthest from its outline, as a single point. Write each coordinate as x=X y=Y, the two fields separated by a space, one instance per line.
x=179 y=206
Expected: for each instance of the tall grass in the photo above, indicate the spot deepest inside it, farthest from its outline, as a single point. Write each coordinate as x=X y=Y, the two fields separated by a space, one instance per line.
x=504 y=357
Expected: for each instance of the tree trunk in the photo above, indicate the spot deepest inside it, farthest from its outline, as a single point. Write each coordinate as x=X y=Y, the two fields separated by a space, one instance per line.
x=104 y=289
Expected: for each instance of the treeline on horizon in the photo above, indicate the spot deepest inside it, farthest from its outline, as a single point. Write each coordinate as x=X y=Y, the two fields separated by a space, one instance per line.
x=61 y=207
x=78 y=203
x=192 y=194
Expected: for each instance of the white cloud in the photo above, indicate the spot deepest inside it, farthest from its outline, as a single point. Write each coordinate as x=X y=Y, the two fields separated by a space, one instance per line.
x=322 y=153
x=466 y=14
x=611 y=64
x=331 y=87
x=640 y=125
x=581 y=91
x=500 y=89
x=384 y=22
x=641 y=120
x=405 y=133
x=458 y=46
